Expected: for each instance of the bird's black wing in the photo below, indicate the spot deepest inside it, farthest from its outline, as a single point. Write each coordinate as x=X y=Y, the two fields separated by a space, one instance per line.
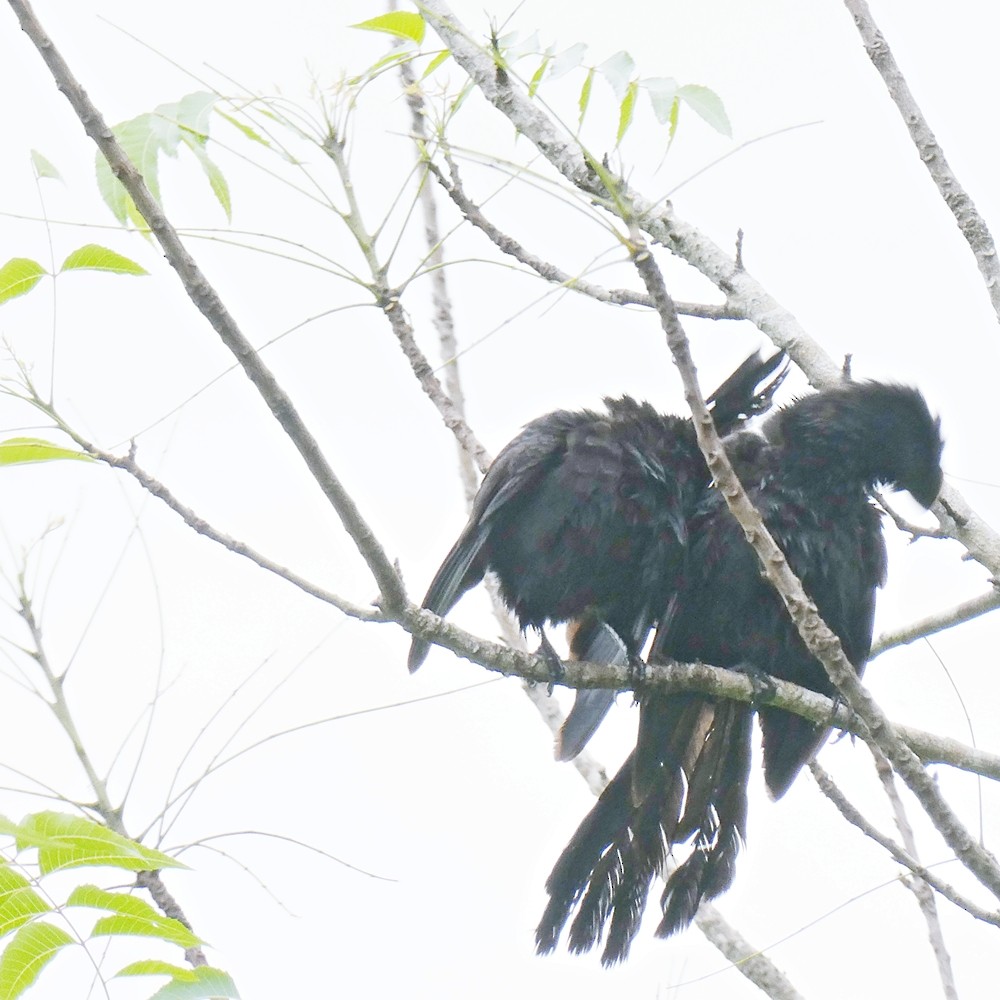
x=513 y=476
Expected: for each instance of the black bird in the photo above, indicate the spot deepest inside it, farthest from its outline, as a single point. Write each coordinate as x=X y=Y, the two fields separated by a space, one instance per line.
x=583 y=519
x=810 y=472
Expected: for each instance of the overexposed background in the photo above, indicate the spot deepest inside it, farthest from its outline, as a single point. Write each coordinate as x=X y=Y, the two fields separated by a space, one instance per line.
x=456 y=801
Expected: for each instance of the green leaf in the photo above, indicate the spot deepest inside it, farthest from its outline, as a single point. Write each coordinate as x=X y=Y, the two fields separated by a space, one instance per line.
x=662 y=95
x=19 y=902
x=94 y=257
x=252 y=134
x=208 y=983
x=514 y=46
x=43 y=168
x=154 y=967
x=401 y=23
x=618 y=70
x=192 y=113
x=163 y=131
x=119 y=902
x=186 y=984
x=8 y=827
x=18 y=276
x=217 y=180
x=66 y=841
x=165 y=928
x=585 y=90
x=536 y=78
x=567 y=60
x=30 y=950
x=435 y=62
x=707 y=105
x=392 y=57
x=17 y=451
x=626 y=111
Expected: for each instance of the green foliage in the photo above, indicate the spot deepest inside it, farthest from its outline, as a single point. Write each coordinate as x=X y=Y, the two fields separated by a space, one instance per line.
x=93 y=257
x=205 y=983
x=19 y=450
x=42 y=167
x=29 y=951
x=707 y=105
x=401 y=24
x=626 y=110
x=18 y=276
x=19 y=902
x=185 y=984
x=28 y=942
x=132 y=915
x=164 y=130
x=66 y=841
x=618 y=70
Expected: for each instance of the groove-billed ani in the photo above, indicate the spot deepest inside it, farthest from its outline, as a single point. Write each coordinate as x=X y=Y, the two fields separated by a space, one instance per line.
x=583 y=518
x=809 y=471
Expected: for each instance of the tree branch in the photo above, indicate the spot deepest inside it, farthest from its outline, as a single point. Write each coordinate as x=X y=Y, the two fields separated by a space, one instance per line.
x=920 y=886
x=853 y=816
x=473 y=214
x=937 y=622
x=971 y=224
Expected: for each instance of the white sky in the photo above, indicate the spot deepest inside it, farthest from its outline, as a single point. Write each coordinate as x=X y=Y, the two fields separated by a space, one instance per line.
x=457 y=800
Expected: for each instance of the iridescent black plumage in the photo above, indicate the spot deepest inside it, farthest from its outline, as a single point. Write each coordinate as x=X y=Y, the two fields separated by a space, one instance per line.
x=810 y=473
x=583 y=518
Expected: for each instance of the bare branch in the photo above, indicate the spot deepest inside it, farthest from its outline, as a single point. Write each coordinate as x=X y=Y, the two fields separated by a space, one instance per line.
x=388 y=301
x=853 y=816
x=128 y=464
x=508 y=245
x=443 y=319
x=931 y=748
x=971 y=224
x=747 y=959
x=937 y=622
x=919 y=886
x=170 y=908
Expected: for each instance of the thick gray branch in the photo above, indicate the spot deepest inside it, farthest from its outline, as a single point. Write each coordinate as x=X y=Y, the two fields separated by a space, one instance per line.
x=970 y=222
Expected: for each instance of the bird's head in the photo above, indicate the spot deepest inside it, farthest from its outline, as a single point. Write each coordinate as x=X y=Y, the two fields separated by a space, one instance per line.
x=870 y=433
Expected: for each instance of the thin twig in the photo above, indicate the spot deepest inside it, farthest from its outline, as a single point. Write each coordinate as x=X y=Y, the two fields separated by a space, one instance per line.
x=853 y=816
x=473 y=214
x=128 y=464
x=966 y=611
x=919 y=886
x=388 y=300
